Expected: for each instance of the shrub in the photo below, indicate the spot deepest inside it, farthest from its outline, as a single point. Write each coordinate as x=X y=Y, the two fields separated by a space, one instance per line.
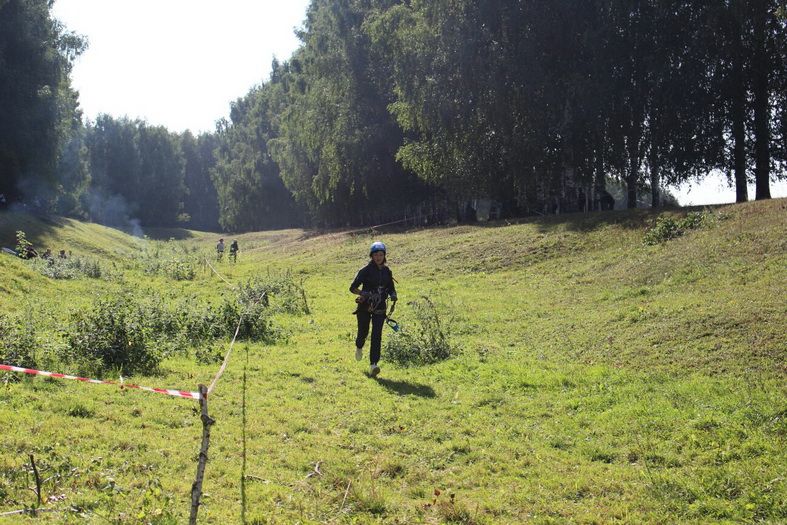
x=111 y=336
x=255 y=323
x=22 y=244
x=280 y=290
x=667 y=228
x=209 y=354
x=71 y=268
x=17 y=342
x=423 y=341
x=168 y=259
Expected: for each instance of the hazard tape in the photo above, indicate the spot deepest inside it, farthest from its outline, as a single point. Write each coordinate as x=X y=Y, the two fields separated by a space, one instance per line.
x=167 y=391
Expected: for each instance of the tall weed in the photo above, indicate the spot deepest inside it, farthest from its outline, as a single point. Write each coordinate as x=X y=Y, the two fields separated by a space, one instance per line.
x=111 y=336
x=280 y=291
x=423 y=339
x=17 y=342
x=667 y=228
x=70 y=268
x=169 y=259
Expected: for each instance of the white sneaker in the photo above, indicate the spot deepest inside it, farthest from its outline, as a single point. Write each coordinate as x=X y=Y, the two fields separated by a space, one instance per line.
x=358 y=353
x=374 y=370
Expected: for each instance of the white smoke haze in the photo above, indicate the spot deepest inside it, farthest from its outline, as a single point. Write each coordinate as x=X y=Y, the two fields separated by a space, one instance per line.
x=104 y=208
x=113 y=210
x=37 y=195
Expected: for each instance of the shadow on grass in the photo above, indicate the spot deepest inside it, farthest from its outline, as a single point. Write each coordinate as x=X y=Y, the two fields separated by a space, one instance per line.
x=404 y=388
x=164 y=234
x=35 y=226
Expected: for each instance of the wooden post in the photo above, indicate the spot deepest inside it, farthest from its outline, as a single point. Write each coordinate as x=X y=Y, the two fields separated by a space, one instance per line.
x=38 y=479
x=207 y=421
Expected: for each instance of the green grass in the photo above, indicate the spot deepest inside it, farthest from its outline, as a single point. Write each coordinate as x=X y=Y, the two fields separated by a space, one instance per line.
x=600 y=380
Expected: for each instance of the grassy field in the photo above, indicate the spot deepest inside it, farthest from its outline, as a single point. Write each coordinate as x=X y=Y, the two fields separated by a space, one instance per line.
x=596 y=379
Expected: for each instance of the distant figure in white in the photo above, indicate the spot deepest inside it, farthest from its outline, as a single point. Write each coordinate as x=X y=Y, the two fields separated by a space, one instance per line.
x=220 y=250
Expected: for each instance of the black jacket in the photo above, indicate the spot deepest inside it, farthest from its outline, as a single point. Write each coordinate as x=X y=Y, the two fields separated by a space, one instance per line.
x=377 y=284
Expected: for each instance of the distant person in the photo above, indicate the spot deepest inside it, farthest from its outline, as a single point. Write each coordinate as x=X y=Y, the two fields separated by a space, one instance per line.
x=62 y=254
x=220 y=250
x=373 y=284
x=30 y=252
x=234 y=250
x=47 y=254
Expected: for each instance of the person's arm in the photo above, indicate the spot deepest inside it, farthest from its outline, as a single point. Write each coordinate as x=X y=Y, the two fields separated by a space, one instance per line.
x=392 y=289
x=354 y=287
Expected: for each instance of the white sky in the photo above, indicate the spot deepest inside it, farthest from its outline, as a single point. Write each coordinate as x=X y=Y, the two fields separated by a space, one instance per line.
x=176 y=63
x=714 y=189
x=180 y=63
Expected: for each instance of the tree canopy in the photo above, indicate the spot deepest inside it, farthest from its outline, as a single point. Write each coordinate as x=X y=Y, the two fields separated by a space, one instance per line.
x=395 y=107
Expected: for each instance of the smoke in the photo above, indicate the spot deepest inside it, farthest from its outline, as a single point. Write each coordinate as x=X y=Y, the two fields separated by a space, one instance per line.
x=38 y=195
x=112 y=210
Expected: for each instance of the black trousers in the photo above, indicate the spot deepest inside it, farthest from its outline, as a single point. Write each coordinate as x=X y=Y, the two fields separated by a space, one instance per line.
x=377 y=332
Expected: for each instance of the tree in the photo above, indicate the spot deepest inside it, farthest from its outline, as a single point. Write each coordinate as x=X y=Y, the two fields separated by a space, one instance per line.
x=200 y=202
x=36 y=100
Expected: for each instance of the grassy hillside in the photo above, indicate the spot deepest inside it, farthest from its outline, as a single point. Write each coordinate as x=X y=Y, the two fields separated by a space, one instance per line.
x=597 y=379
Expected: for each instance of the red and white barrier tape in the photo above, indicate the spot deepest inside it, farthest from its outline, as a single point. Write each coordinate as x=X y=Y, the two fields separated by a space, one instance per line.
x=167 y=391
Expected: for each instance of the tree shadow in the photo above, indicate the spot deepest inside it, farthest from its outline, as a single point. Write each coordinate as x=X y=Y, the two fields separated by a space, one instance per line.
x=36 y=227
x=164 y=234
x=585 y=221
x=404 y=388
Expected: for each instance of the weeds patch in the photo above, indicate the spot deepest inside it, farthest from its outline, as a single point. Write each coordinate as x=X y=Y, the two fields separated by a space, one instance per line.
x=69 y=268
x=111 y=336
x=18 y=341
x=423 y=341
x=667 y=228
x=169 y=259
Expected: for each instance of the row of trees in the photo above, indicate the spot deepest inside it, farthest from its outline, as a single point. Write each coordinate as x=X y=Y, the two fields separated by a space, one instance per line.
x=397 y=107
x=111 y=170
x=391 y=104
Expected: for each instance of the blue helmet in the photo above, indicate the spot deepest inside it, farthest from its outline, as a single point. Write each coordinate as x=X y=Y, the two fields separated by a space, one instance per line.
x=377 y=246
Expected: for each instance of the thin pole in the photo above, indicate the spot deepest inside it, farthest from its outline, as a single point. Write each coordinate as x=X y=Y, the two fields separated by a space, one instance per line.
x=207 y=421
x=38 y=479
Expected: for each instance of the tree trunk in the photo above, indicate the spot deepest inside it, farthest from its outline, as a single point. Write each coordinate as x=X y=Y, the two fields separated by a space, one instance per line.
x=600 y=182
x=738 y=122
x=762 y=132
x=737 y=94
x=655 y=182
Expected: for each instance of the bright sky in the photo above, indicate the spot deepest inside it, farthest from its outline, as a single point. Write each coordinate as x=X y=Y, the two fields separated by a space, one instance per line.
x=714 y=189
x=180 y=63
x=176 y=63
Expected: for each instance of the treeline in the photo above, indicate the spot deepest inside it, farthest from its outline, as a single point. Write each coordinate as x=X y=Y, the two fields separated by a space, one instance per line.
x=393 y=108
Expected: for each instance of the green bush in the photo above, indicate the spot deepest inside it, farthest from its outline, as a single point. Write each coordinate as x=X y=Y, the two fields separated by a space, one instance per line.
x=22 y=244
x=17 y=342
x=280 y=291
x=132 y=335
x=112 y=337
x=70 y=268
x=422 y=341
x=254 y=316
x=169 y=259
x=667 y=228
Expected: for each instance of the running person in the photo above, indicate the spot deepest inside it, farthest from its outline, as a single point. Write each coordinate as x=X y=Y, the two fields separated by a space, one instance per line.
x=373 y=284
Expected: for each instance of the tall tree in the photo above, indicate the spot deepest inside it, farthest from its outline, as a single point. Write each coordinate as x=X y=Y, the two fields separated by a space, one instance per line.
x=36 y=53
x=251 y=194
x=200 y=202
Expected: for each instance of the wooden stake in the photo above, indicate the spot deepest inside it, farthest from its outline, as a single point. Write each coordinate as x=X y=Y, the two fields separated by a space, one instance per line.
x=38 y=479
x=207 y=421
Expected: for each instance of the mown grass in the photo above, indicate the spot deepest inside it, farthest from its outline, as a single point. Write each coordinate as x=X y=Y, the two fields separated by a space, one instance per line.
x=600 y=380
